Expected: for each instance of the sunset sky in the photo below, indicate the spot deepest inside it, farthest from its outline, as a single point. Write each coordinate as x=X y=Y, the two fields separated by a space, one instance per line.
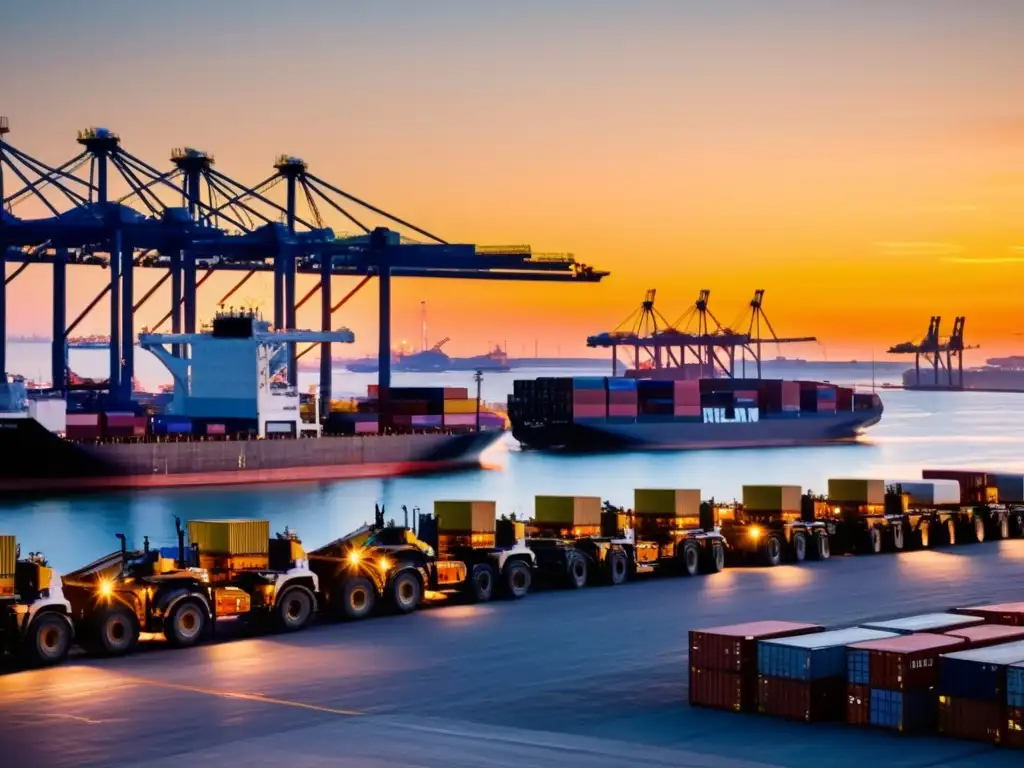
x=861 y=161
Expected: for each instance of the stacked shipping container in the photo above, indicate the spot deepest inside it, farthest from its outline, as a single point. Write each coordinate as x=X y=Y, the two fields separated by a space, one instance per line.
x=589 y=397
x=622 y=398
x=686 y=400
x=973 y=694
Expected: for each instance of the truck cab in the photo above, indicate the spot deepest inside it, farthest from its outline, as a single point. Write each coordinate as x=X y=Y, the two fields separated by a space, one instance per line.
x=35 y=622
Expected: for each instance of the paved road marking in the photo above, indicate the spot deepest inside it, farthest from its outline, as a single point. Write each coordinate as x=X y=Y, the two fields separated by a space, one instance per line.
x=245 y=697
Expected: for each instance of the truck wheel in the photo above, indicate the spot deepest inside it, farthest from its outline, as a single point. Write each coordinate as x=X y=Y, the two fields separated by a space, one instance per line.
x=48 y=640
x=517 y=579
x=897 y=537
x=295 y=608
x=1004 y=527
x=800 y=546
x=482 y=583
x=924 y=532
x=116 y=632
x=617 y=570
x=951 y=531
x=824 y=547
x=771 y=550
x=407 y=592
x=874 y=541
x=185 y=625
x=358 y=597
x=716 y=557
x=1019 y=520
x=577 y=571
x=689 y=558
x=979 y=528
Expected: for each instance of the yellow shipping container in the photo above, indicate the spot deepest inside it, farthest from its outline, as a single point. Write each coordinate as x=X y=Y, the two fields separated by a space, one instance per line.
x=8 y=555
x=572 y=511
x=230 y=537
x=856 y=491
x=772 y=498
x=465 y=516
x=460 y=406
x=663 y=502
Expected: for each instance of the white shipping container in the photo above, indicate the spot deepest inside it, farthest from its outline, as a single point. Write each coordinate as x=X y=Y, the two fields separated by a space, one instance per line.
x=925 y=493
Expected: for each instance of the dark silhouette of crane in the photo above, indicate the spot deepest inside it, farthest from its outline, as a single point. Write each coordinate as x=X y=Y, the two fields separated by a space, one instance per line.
x=938 y=353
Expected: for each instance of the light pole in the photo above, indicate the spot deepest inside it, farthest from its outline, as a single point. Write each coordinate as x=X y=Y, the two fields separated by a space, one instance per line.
x=478 y=377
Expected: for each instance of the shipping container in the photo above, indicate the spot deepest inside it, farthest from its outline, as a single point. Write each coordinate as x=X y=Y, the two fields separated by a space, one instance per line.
x=686 y=392
x=903 y=662
x=569 y=511
x=588 y=382
x=790 y=396
x=973 y=483
x=928 y=622
x=858 y=667
x=722 y=690
x=623 y=397
x=141 y=426
x=844 y=399
x=622 y=411
x=365 y=427
x=909 y=711
x=465 y=516
x=1015 y=685
x=589 y=397
x=113 y=419
x=589 y=411
x=8 y=555
x=461 y=405
x=428 y=421
x=810 y=701
x=812 y=657
x=215 y=429
x=985 y=635
x=1013 y=735
x=929 y=493
x=689 y=411
x=456 y=393
x=1011 y=614
x=858 y=705
x=230 y=537
x=621 y=384
x=659 y=502
x=979 y=674
x=856 y=491
x=772 y=498
x=970 y=719
x=82 y=433
x=734 y=648
x=1010 y=488
x=460 y=419
x=83 y=419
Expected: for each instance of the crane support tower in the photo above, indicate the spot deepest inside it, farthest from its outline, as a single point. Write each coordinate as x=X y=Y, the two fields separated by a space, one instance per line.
x=942 y=355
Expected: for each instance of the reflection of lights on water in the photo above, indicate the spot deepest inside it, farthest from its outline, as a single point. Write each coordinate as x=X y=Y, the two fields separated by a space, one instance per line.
x=934 y=564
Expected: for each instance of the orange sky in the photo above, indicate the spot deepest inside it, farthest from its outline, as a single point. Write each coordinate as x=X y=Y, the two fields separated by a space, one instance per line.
x=865 y=166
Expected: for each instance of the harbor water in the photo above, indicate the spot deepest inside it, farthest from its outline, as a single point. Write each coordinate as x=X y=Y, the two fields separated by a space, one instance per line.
x=918 y=430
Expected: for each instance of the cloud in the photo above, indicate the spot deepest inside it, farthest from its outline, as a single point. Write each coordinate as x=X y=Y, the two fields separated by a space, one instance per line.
x=1017 y=257
x=918 y=248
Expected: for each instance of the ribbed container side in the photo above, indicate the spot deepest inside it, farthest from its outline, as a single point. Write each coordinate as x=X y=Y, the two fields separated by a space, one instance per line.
x=971 y=719
x=911 y=711
x=466 y=516
x=979 y=674
x=811 y=701
x=8 y=555
x=907 y=667
x=858 y=667
x=1011 y=614
x=734 y=648
x=722 y=690
x=1015 y=685
x=813 y=657
x=858 y=705
x=230 y=537
x=929 y=622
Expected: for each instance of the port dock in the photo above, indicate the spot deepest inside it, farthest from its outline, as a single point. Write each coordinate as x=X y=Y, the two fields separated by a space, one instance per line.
x=486 y=686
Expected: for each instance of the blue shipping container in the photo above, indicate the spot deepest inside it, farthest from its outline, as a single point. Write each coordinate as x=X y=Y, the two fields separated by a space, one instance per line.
x=618 y=384
x=912 y=710
x=1015 y=686
x=656 y=384
x=858 y=670
x=179 y=428
x=811 y=657
x=979 y=674
x=588 y=382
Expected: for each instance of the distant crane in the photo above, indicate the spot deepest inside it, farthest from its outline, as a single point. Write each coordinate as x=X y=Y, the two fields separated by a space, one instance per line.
x=937 y=353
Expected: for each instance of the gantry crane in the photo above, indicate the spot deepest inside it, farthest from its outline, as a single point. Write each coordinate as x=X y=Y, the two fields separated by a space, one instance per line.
x=938 y=353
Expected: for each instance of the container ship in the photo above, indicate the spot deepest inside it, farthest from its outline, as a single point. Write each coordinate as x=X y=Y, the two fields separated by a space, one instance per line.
x=231 y=422
x=593 y=413
x=435 y=360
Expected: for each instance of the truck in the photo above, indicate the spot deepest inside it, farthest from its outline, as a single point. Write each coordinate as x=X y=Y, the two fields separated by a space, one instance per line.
x=230 y=568
x=461 y=550
x=35 y=623
x=992 y=502
x=770 y=526
x=580 y=540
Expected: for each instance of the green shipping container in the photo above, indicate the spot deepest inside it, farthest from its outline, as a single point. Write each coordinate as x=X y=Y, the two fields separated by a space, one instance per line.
x=572 y=511
x=662 y=502
x=465 y=516
x=856 y=491
x=772 y=498
x=230 y=537
x=8 y=556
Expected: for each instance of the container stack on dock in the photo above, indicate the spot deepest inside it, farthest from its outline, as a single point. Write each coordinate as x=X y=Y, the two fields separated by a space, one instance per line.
x=415 y=409
x=973 y=693
x=724 y=662
x=1010 y=614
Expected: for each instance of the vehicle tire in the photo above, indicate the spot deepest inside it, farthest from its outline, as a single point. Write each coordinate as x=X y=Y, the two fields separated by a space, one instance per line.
x=689 y=558
x=799 y=546
x=978 y=523
x=924 y=534
x=517 y=579
x=186 y=624
x=824 y=546
x=1019 y=526
x=115 y=632
x=1004 y=527
x=951 y=532
x=874 y=541
x=357 y=596
x=716 y=557
x=481 y=583
x=771 y=550
x=47 y=641
x=618 y=569
x=898 y=537
x=295 y=608
x=576 y=571
x=406 y=592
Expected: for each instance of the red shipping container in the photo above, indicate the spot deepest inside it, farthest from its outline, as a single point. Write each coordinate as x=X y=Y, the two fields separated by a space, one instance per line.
x=988 y=634
x=972 y=483
x=1011 y=614
x=1014 y=734
x=622 y=396
x=82 y=433
x=790 y=395
x=687 y=410
x=622 y=411
x=971 y=719
x=844 y=399
x=814 y=701
x=589 y=397
x=456 y=393
x=907 y=661
x=858 y=705
x=734 y=648
x=686 y=392
x=215 y=429
x=373 y=390
x=722 y=690
x=589 y=411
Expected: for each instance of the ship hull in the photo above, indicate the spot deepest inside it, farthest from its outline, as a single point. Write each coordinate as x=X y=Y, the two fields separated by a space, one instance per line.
x=41 y=462
x=671 y=434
